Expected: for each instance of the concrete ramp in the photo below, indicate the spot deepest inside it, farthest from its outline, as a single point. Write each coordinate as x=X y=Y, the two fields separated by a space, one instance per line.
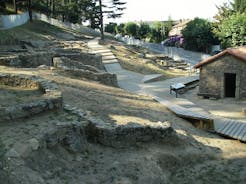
x=111 y=68
x=148 y=78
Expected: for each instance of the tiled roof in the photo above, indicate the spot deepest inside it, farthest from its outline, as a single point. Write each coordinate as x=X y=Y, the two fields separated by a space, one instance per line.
x=239 y=52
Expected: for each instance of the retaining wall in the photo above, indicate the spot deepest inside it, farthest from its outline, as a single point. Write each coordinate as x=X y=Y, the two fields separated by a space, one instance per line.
x=10 y=21
x=172 y=52
x=58 y=23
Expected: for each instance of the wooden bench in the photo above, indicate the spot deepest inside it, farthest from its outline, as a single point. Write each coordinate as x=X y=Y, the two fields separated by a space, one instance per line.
x=176 y=88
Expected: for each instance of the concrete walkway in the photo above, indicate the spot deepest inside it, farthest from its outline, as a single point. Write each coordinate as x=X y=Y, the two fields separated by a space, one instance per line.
x=160 y=91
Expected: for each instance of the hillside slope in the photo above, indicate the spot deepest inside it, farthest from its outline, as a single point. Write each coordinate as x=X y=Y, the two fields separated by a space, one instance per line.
x=107 y=135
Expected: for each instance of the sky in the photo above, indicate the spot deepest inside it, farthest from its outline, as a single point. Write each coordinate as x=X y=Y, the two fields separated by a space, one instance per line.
x=154 y=10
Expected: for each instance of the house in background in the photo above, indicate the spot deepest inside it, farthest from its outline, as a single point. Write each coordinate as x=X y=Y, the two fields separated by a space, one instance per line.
x=176 y=30
x=224 y=74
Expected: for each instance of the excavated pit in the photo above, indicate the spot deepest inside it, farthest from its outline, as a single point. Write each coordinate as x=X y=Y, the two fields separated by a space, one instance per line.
x=26 y=96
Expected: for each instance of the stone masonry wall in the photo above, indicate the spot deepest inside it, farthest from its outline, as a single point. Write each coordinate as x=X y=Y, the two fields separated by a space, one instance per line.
x=77 y=69
x=212 y=76
x=51 y=99
x=28 y=60
x=86 y=59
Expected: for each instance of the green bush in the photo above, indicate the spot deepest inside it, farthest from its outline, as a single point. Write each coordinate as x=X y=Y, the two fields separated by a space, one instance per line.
x=111 y=28
x=131 y=29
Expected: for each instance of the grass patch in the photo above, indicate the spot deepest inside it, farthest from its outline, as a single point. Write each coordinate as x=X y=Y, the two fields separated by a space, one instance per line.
x=36 y=30
x=130 y=59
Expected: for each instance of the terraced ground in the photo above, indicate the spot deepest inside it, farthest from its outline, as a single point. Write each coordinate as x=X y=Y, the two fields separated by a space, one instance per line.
x=55 y=147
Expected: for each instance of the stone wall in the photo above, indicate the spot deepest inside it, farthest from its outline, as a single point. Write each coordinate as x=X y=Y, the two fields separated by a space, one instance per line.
x=85 y=58
x=80 y=70
x=34 y=59
x=28 y=60
x=212 y=77
x=104 y=78
x=120 y=136
x=51 y=98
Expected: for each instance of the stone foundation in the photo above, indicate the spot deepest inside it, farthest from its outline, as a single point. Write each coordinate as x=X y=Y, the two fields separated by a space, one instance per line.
x=80 y=70
x=51 y=98
x=85 y=59
x=120 y=136
x=28 y=60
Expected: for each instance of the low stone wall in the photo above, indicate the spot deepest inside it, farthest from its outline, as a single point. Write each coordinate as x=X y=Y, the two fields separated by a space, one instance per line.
x=104 y=78
x=128 y=135
x=51 y=98
x=28 y=60
x=85 y=58
x=80 y=70
x=65 y=62
x=120 y=136
x=34 y=59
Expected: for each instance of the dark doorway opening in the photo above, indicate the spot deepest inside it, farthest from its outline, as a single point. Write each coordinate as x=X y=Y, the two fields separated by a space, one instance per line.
x=230 y=84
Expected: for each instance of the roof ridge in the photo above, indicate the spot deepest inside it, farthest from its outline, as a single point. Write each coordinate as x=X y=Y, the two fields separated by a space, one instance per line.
x=239 y=52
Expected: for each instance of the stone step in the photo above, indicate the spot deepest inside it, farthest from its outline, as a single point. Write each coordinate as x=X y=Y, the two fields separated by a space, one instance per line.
x=110 y=61
x=101 y=51
x=109 y=57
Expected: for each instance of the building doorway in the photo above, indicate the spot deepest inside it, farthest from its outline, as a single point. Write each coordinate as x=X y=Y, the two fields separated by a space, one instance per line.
x=230 y=84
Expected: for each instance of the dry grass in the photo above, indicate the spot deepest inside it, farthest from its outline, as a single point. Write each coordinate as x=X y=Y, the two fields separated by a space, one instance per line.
x=130 y=59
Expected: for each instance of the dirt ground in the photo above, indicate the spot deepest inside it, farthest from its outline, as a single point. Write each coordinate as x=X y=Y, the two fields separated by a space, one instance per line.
x=43 y=149
x=199 y=156
x=227 y=107
x=12 y=95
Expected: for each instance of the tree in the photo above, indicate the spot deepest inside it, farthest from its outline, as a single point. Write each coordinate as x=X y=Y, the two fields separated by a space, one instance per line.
x=232 y=31
x=239 y=6
x=160 y=31
x=76 y=11
x=131 y=29
x=29 y=5
x=2 y=4
x=143 y=31
x=113 y=9
x=230 y=24
x=120 y=29
x=198 y=35
x=111 y=28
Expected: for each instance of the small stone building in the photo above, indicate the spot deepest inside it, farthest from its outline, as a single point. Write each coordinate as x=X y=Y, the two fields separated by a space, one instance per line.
x=224 y=75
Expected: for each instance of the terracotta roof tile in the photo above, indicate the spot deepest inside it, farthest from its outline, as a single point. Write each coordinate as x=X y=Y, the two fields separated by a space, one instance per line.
x=239 y=52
